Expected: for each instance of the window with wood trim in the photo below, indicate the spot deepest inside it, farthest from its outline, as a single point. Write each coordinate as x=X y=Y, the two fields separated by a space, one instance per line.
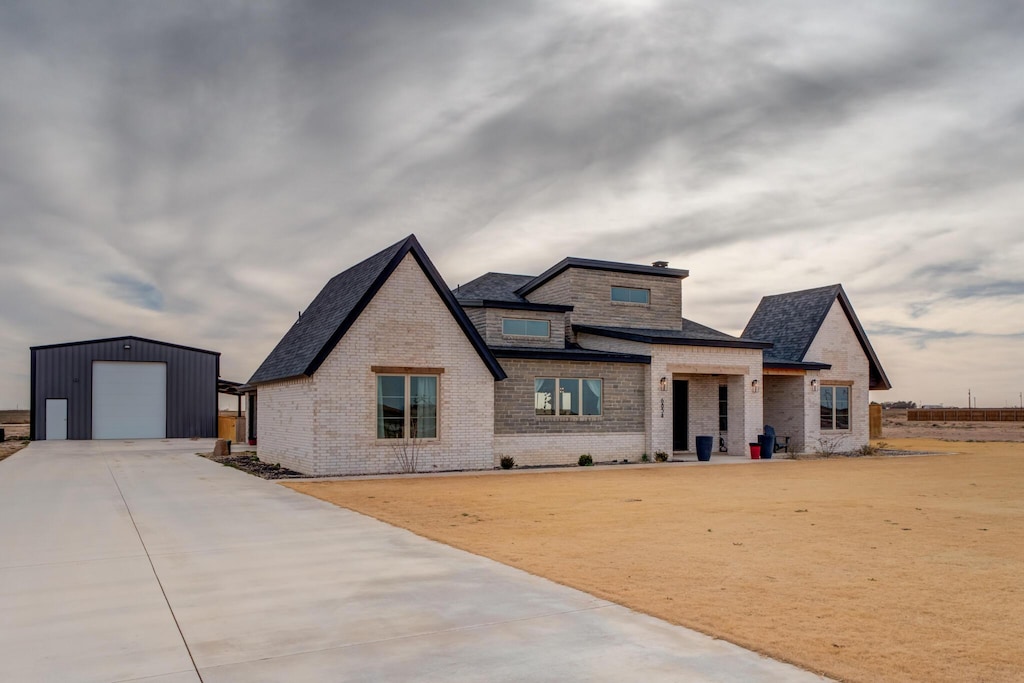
x=835 y=408
x=407 y=406
x=572 y=396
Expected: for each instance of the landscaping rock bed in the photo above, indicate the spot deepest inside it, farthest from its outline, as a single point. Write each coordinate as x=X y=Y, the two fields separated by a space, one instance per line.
x=248 y=462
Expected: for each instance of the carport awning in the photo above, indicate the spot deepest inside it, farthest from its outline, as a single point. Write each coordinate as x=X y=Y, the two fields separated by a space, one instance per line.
x=226 y=386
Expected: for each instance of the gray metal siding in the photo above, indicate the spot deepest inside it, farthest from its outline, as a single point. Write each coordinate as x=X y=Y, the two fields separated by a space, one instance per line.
x=66 y=372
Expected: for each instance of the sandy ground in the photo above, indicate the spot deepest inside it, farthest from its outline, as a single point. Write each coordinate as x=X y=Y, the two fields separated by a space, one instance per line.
x=865 y=569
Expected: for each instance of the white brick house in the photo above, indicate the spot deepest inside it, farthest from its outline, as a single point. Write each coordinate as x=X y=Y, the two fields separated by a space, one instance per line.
x=588 y=357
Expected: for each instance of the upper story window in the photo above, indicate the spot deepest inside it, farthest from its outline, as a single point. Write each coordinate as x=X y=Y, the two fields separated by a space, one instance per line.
x=835 y=408
x=631 y=295
x=525 y=328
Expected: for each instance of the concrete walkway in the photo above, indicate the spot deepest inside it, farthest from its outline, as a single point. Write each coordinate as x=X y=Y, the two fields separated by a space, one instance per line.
x=131 y=561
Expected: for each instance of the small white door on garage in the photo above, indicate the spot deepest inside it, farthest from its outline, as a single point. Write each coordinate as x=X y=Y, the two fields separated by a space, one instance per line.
x=129 y=400
x=56 y=419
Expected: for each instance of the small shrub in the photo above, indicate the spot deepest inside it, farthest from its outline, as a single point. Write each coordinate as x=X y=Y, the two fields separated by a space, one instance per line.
x=586 y=460
x=866 y=449
x=507 y=462
x=645 y=458
x=661 y=456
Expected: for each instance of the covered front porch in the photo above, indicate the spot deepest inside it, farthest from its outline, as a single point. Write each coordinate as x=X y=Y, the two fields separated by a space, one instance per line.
x=717 y=399
x=791 y=405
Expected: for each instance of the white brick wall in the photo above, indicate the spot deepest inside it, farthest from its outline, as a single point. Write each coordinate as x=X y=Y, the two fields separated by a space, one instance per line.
x=566 y=449
x=837 y=344
x=284 y=424
x=786 y=398
x=405 y=325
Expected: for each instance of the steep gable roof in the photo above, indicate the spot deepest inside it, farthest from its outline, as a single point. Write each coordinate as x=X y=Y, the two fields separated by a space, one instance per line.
x=593 y=264
x=326 y=320
x=791 y=321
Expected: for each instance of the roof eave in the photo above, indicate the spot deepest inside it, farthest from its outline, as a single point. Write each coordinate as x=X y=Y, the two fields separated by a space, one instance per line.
x=559 y=355
x=588 y=264
x=123 y=337
x=673 y=341
x=513 y=305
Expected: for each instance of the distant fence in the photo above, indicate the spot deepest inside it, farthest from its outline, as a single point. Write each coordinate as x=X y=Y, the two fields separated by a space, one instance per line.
x=966 y=415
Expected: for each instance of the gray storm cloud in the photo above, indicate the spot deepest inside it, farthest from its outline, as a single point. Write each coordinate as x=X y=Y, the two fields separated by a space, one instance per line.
x=196 y=171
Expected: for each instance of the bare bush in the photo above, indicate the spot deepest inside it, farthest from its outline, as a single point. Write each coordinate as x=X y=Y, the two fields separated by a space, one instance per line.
x=406 y=453
x=829 y=446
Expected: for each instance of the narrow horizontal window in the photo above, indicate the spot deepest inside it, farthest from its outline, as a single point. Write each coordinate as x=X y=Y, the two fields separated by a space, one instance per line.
x=525 y=328
x=631 y=295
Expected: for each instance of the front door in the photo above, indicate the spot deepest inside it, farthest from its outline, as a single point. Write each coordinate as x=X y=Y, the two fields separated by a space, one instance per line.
x=56 y=419
x=680 y=414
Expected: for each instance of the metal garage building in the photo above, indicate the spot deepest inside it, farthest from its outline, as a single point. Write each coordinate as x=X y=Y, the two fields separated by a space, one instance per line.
x=123 y=388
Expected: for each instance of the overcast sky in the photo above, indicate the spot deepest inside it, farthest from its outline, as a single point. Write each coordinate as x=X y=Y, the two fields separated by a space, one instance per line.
x=195 y=172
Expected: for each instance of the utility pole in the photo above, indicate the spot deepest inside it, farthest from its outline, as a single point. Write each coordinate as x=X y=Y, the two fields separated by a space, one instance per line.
x=968 y=398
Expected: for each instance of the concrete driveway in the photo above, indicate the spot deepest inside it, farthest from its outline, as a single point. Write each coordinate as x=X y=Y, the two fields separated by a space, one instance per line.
x=125 y=561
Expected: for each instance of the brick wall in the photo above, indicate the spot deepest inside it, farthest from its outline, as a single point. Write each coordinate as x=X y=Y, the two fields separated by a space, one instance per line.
x=492 y=328
x=405 y=325
x=622 y=398
x=565 y=449
x=284 y=424
x=589 y=292
x=784 y=399
x=836 y=343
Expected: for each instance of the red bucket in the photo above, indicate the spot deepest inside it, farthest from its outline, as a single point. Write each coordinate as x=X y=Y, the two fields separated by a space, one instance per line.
x=755 y=451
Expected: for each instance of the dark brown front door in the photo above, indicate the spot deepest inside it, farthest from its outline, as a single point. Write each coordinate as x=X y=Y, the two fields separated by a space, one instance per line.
x=680 y=414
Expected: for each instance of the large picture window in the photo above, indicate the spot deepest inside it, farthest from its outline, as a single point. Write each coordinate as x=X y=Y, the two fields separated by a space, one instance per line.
x=406 y=406
x=525 y=328
x=631 y=295
x=567 y=396
x=835 y=408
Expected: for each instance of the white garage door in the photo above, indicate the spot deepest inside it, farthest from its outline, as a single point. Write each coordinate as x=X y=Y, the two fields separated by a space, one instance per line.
x=129 y=400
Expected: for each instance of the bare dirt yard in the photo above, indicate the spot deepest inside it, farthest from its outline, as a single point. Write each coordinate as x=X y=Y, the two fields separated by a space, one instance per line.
x=896 y=426
x=864 y=569
x=15 y=426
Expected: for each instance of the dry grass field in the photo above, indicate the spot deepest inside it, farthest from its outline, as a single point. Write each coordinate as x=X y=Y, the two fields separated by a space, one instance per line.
x=865 y=569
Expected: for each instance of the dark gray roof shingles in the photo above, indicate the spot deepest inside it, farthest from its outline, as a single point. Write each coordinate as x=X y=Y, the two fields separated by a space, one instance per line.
x=493 y=287
x=308 y=335
x=790 y=321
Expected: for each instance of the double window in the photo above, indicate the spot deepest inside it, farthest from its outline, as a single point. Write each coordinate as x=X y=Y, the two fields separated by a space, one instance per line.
x=835 y=408
x=518 y=327
x=406 y=406
x=631 y=295
x=569 y=396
